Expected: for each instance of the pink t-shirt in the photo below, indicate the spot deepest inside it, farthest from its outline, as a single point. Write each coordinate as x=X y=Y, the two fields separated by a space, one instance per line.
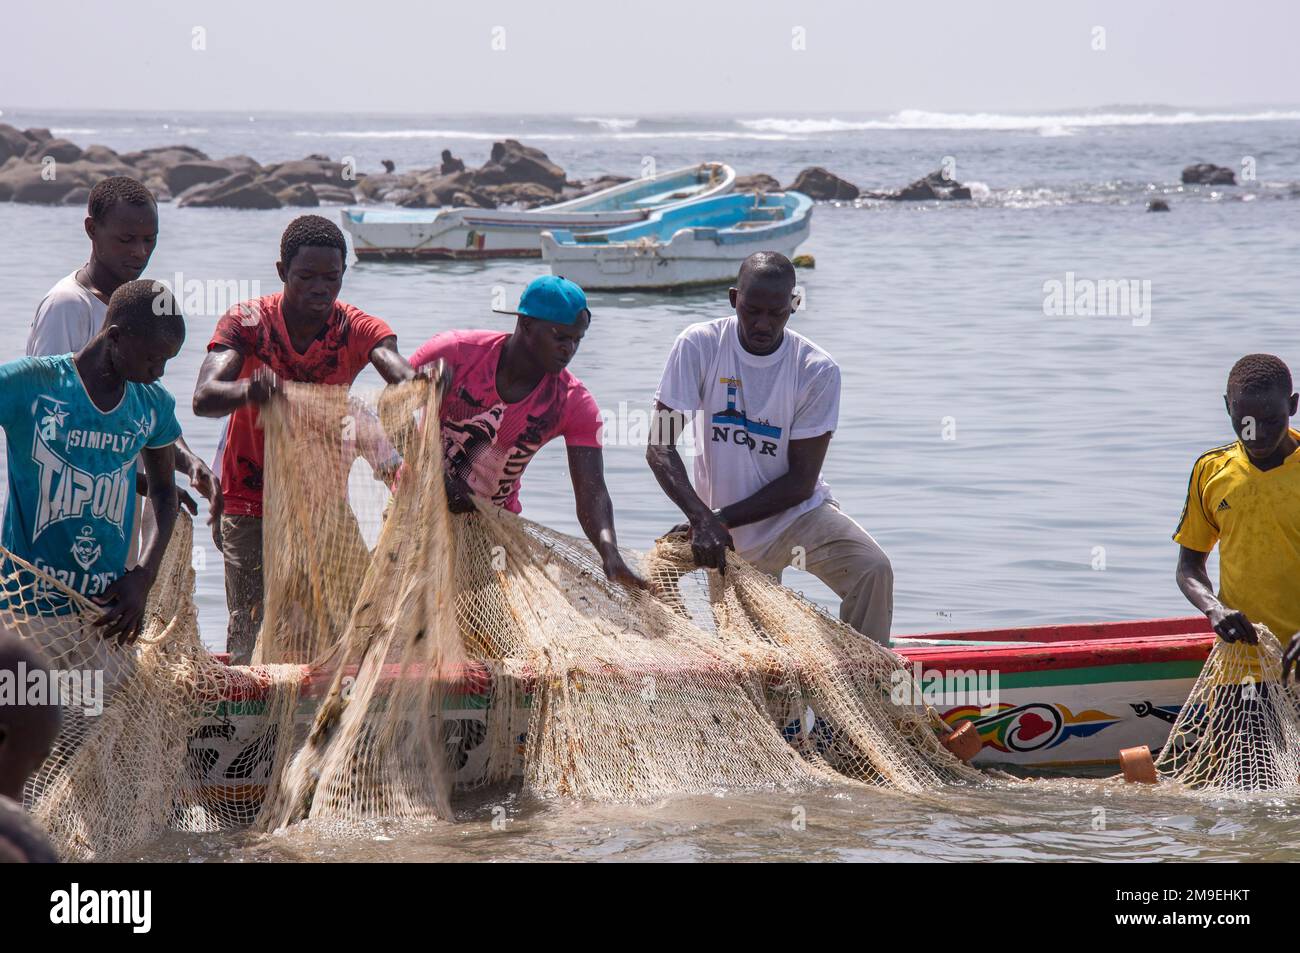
x=488 y=442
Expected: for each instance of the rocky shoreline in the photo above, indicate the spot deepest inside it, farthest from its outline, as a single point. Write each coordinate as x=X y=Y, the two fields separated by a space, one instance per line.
x=40 y=168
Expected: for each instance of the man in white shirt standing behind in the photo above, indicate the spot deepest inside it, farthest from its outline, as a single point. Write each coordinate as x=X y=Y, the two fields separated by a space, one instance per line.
x=765 y=402
x=122 y=224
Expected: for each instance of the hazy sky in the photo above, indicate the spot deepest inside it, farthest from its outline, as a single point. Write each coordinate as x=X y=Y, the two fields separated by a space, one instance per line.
x=637 y=58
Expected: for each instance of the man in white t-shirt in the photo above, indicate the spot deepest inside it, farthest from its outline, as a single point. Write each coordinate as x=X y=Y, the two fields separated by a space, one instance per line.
x=765 y=402
x=122 y=225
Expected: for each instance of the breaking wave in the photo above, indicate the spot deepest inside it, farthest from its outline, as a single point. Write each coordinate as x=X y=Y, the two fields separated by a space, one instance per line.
x=1052 y=124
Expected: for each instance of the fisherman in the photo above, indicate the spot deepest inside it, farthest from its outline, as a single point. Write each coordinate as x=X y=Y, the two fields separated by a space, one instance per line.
x=510 y=395
x=75 y=425
x=303 y=333
x=1244 y=497
x=122 y=224
x=27 y=733
x=765 y=402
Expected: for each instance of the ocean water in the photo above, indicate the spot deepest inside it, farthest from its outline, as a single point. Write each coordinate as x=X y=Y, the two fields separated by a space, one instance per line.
x=1019 y=466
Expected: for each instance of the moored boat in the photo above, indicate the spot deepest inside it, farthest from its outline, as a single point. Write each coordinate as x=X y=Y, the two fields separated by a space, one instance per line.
x=473 y=233
x=1041 y=697
x=693 y=245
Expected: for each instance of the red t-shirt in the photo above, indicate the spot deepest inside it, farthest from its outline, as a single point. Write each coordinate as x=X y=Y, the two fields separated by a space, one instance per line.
x=487 y=442
x=256 y=330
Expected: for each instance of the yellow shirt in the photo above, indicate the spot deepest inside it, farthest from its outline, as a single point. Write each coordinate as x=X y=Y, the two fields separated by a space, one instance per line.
x=1254 y=516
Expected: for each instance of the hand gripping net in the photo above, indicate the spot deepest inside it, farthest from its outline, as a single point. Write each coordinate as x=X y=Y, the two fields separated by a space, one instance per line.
x=1239 y=729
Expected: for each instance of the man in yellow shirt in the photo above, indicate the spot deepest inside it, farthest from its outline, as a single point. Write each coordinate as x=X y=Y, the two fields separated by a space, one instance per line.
x=1245 y=496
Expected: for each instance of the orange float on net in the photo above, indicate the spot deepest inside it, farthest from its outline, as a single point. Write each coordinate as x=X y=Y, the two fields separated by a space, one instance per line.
x=964 y=742
x=1137 y=765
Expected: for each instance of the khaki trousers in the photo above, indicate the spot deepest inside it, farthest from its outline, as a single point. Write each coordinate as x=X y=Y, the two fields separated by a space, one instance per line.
x=833 y=547
x=241 y=551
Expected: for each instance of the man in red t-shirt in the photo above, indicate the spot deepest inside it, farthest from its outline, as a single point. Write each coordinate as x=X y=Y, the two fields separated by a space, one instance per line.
x=512 y=393
x=302 y=334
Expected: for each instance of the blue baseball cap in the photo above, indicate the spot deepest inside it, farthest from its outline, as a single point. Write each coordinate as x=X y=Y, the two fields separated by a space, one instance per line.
x=551 y=298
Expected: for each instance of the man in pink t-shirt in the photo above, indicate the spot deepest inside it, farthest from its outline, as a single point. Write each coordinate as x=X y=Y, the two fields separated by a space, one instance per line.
x=510 y=395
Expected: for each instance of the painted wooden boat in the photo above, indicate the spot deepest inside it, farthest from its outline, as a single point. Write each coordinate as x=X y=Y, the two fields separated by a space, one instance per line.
x=693 y=245
x=472 y=233
x=1064 y=696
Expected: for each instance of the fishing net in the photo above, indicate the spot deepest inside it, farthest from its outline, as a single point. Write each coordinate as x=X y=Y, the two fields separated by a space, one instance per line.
x=384 y=612
x=614 y=694
x=1239 y=729
x=134 y=755
x=702 y=684
x=376 y=745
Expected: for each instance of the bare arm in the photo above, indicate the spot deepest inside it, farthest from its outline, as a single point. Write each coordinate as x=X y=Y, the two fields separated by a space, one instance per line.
x=789 y=489
x=390 y=364
x=596 y=513
x=1194 y=581
x=187 y=461
x=709 y=537
x=124 y=601
x=219 y=390
x=667 y=464
x=202 y=479
x=160 y=467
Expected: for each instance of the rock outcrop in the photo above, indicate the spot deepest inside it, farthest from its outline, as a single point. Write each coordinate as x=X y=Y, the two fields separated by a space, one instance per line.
x=931 y=187
x=61 y=150
x=822 y=186
x=185 y=175
x=511 y=162
x=236 y=191
x=12 y=143
x=759 y=182
x=1206 y=173
x=299 y=195
x=514 y=174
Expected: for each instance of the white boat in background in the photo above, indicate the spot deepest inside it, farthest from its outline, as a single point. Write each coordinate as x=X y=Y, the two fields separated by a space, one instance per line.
x=381 y=233
x=700 y=243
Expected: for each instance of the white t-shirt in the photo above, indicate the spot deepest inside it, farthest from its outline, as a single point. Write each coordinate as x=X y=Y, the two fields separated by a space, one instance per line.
x=67 y=318
x=746 y=410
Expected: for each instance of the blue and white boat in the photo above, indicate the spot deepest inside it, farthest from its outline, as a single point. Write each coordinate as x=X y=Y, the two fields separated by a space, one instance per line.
x=699 y=243
x=455 y=233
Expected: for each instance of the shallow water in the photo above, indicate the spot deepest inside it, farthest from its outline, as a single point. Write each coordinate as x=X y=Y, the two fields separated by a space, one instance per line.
x=1045 y=820
x=1073 y=436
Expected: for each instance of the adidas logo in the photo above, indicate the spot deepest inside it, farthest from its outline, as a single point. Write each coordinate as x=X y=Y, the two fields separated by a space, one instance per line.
x=1223 y=505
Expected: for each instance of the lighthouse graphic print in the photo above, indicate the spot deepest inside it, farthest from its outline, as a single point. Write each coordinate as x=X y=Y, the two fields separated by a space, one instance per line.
x=761 y=436
x=72 y=469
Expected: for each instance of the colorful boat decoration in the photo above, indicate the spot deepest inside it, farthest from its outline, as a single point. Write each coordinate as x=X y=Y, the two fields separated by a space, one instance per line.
x=1045 y=697
x=698 y=244
x=474 y=233
x=1066 y=695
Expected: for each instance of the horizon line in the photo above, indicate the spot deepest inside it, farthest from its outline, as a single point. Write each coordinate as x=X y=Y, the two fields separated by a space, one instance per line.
x=6 y=110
